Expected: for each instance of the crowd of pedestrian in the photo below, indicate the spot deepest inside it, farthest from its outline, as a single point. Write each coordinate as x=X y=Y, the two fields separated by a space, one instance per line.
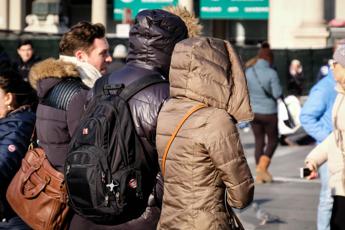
x=186 y=122
x=62 y=88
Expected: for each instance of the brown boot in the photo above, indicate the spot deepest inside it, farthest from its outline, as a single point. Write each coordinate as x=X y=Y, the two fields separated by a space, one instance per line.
x=262 y=174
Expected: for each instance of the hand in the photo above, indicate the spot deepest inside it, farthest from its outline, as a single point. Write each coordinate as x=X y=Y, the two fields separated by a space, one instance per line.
x=313 y=173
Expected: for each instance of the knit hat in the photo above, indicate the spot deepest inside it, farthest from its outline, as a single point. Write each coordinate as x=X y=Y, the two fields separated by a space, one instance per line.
x=120 y=51
x=339 y=55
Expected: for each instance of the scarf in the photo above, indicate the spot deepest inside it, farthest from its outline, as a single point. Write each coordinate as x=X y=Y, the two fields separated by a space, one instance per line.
x=88 y=73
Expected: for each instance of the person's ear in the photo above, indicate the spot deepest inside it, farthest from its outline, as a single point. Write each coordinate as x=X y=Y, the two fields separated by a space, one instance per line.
x=81 y=55
x=9 y=99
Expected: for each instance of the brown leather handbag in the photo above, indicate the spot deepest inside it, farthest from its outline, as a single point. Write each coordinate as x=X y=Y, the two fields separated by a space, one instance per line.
x=37 y=193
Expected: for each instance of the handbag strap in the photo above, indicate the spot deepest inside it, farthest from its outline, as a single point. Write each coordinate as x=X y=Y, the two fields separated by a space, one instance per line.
x=32 y=139
x=188 y=114
x=234 y=220
x=262 y=87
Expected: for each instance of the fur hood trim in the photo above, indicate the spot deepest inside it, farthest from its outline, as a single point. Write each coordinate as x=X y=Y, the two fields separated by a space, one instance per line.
x=192 y=22
x=51 y=68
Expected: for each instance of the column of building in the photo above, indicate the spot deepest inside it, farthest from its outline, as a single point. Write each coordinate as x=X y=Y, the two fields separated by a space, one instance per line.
x=17 y=15
x=99 y=12
x=188 y=4
x=297 y=24
x=312 y=33
x=340 y=9
x=12 y=14
x=4 y=14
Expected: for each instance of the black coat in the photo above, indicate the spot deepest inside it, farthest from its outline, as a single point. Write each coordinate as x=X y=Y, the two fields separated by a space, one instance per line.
x=295 y=84
x=24 y=67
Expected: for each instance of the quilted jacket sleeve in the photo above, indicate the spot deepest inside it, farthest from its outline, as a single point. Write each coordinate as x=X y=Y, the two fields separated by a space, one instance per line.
x=227 y=155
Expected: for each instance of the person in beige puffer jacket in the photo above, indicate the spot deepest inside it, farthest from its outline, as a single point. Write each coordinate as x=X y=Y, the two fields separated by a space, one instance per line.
x=333 y=147
x=206 y=158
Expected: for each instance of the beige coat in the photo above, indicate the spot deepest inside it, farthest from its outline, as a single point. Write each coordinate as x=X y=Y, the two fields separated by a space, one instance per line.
x=207 y=156
x=333 y=147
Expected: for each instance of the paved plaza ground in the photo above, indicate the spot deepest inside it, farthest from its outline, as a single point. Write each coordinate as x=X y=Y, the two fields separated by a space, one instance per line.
x=290 y=203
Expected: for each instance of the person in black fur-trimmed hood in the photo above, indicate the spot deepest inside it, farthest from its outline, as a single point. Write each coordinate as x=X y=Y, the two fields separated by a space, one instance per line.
x=62 y=86
x=151 y=41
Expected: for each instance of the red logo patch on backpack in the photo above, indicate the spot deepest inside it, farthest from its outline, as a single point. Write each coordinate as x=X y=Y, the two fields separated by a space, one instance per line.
x=85 y=131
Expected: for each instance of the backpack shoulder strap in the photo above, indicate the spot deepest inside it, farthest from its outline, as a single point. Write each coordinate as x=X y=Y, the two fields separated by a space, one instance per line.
x=140 y=84
x=178 y=127
x=100 y=83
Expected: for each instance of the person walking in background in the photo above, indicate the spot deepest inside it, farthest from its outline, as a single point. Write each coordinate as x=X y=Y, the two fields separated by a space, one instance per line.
x=17 y=120
x=264 y=88
x=62 y=86
x=316 y=119
x=206 y=158
x=252 y=61
x=26 y=58
x=332 y=149
x=296 y=135
x=296 y=78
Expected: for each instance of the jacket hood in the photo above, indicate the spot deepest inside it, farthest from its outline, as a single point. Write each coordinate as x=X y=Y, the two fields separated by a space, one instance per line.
x=152 y=38
x=51 y=68
x=208 y=70
x=193 y=26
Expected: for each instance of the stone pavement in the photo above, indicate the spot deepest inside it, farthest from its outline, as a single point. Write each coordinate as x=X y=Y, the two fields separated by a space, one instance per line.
x=289 y=203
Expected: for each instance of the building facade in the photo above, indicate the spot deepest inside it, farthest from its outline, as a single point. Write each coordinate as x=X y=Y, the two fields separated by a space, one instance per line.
x=285 y=24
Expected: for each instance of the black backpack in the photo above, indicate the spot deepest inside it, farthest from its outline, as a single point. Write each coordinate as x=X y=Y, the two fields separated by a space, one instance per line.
x=108 y=173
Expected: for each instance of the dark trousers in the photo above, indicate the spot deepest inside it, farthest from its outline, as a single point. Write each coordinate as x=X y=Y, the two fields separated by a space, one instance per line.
x=265 y=126
x=338 y=213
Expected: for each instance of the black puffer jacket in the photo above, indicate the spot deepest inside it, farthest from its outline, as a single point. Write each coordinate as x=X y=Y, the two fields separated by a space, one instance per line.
x=152 y=40
x=151 y=43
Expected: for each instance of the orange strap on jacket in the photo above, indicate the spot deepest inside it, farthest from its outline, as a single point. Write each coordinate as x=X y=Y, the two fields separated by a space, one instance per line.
x=190 y=112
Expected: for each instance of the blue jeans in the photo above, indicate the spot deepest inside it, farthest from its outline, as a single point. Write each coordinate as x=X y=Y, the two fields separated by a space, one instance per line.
x=324 y=211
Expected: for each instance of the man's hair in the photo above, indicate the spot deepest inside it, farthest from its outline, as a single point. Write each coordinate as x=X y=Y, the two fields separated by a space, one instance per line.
x=80 y=36
x=24 y=43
